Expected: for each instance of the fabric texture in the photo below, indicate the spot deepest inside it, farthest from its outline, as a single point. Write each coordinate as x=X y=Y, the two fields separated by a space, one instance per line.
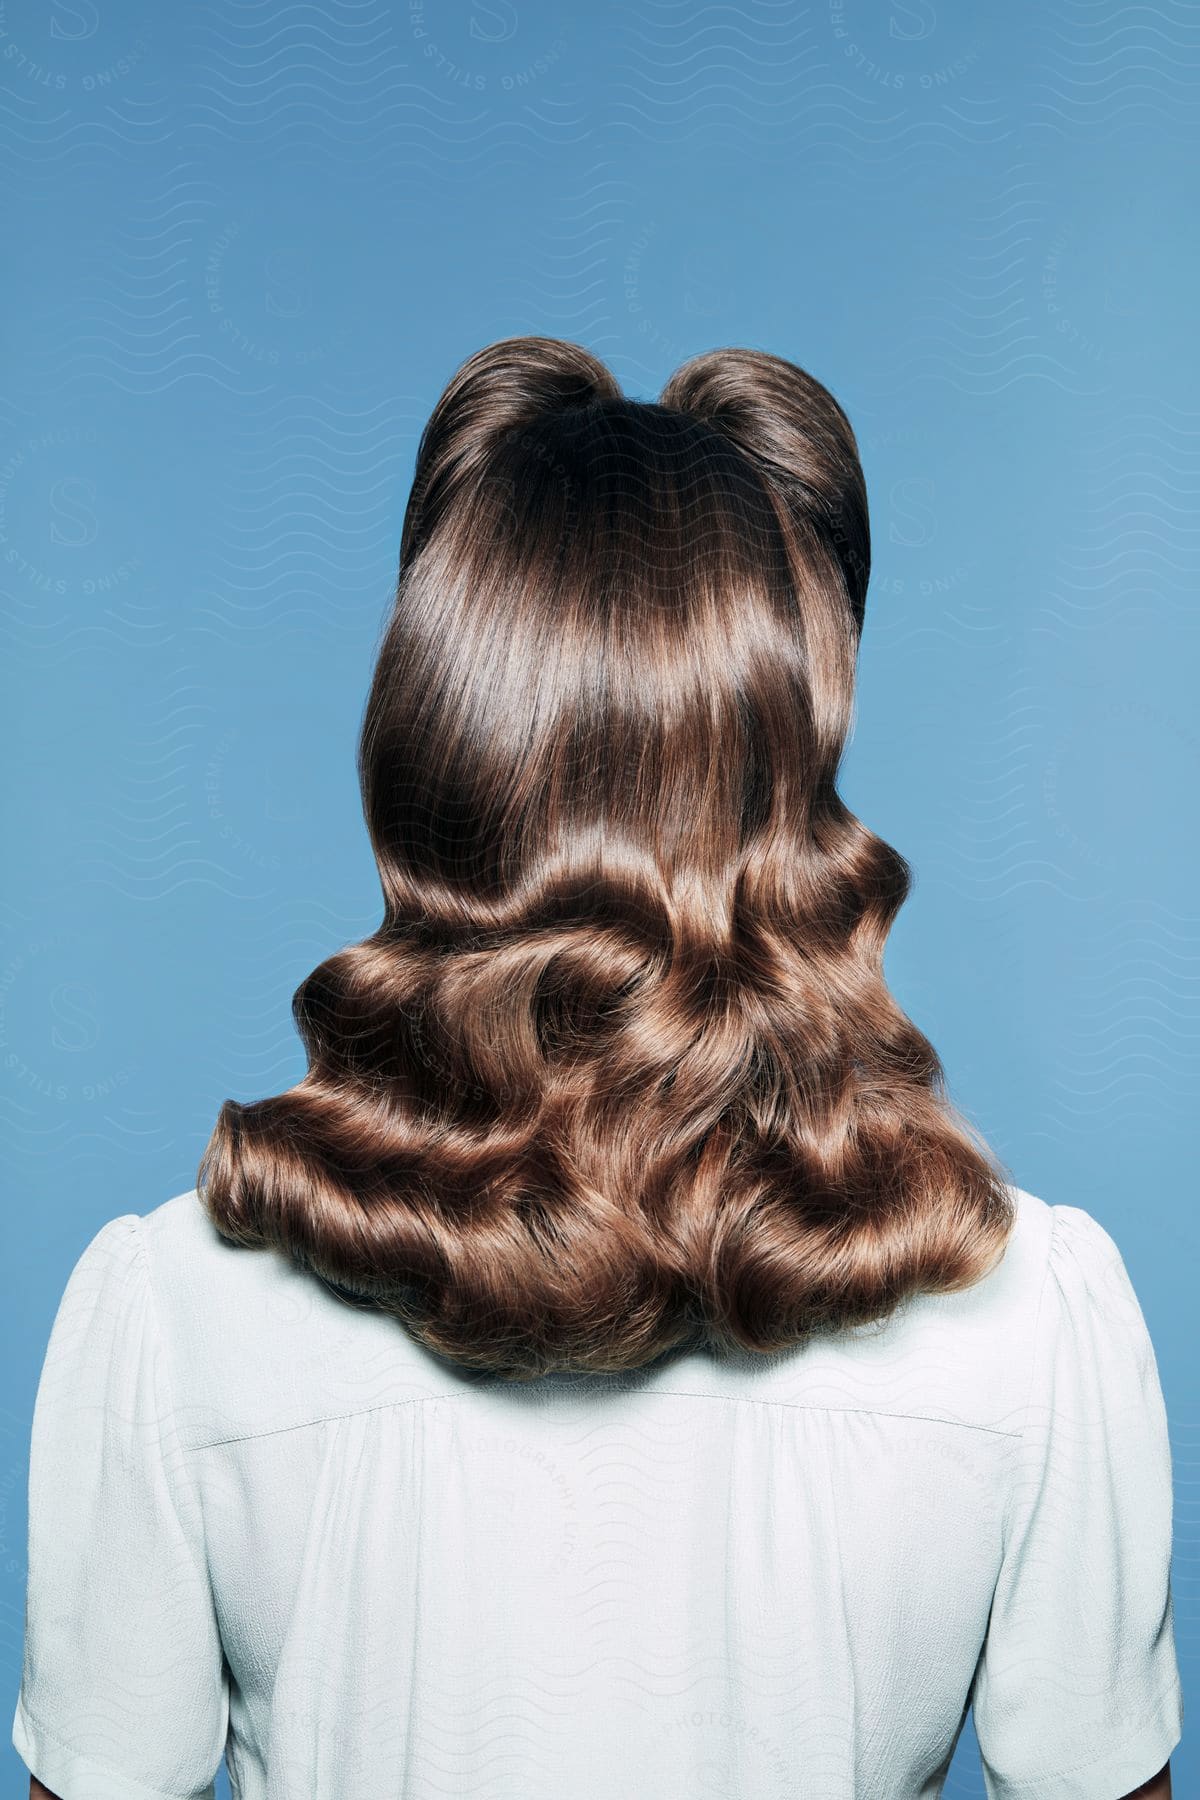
x=268 y=1525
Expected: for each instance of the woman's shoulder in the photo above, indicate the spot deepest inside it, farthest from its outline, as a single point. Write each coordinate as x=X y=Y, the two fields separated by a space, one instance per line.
x=257 y=1343
x=972 y=1357
x=1065 y=1276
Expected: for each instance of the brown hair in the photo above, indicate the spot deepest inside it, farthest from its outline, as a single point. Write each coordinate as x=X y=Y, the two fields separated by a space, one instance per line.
x=619 y=1071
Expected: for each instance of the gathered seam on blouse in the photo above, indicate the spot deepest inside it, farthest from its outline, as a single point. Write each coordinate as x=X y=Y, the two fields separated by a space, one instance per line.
x=873 y=1412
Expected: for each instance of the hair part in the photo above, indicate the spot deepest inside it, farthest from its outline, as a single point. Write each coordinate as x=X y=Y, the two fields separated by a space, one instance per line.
x=619 y=1072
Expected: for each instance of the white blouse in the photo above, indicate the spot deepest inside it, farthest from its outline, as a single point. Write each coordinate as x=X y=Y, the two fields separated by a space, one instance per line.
x=268 y=1526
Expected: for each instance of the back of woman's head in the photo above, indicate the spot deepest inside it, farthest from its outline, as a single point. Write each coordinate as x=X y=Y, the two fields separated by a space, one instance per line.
x=619 y=1071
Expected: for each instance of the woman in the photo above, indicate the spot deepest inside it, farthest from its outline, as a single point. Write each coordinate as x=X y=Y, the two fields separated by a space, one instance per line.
x=615 y=1369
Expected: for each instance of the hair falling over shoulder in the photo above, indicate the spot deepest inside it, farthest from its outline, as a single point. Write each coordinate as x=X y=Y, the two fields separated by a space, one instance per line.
x=619 y=1072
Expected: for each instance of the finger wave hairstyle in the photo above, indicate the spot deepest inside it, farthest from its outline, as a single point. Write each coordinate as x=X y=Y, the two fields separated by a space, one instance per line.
x=619 y=1072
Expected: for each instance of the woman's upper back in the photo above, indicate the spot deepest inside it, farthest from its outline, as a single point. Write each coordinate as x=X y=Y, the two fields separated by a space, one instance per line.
x=750 y=1575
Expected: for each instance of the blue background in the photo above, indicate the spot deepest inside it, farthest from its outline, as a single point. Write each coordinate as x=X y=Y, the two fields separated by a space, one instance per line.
x=250 y=243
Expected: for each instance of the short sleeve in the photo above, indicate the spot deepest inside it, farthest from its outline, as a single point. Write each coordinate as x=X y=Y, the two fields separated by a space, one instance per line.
x=124 y=1689
x=1077 y=1692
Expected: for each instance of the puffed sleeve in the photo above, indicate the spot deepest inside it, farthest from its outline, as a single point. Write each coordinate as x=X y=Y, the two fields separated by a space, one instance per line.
x=1077 y=1692
x=124 y=1689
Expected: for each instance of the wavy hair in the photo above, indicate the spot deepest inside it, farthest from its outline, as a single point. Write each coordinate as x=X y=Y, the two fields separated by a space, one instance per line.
x=619 y=1072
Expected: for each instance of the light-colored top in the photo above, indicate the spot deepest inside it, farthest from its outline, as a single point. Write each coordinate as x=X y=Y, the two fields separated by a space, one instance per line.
x=268 y=1525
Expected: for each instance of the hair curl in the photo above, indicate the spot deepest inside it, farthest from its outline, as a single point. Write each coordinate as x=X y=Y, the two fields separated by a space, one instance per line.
x=619 y=1072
